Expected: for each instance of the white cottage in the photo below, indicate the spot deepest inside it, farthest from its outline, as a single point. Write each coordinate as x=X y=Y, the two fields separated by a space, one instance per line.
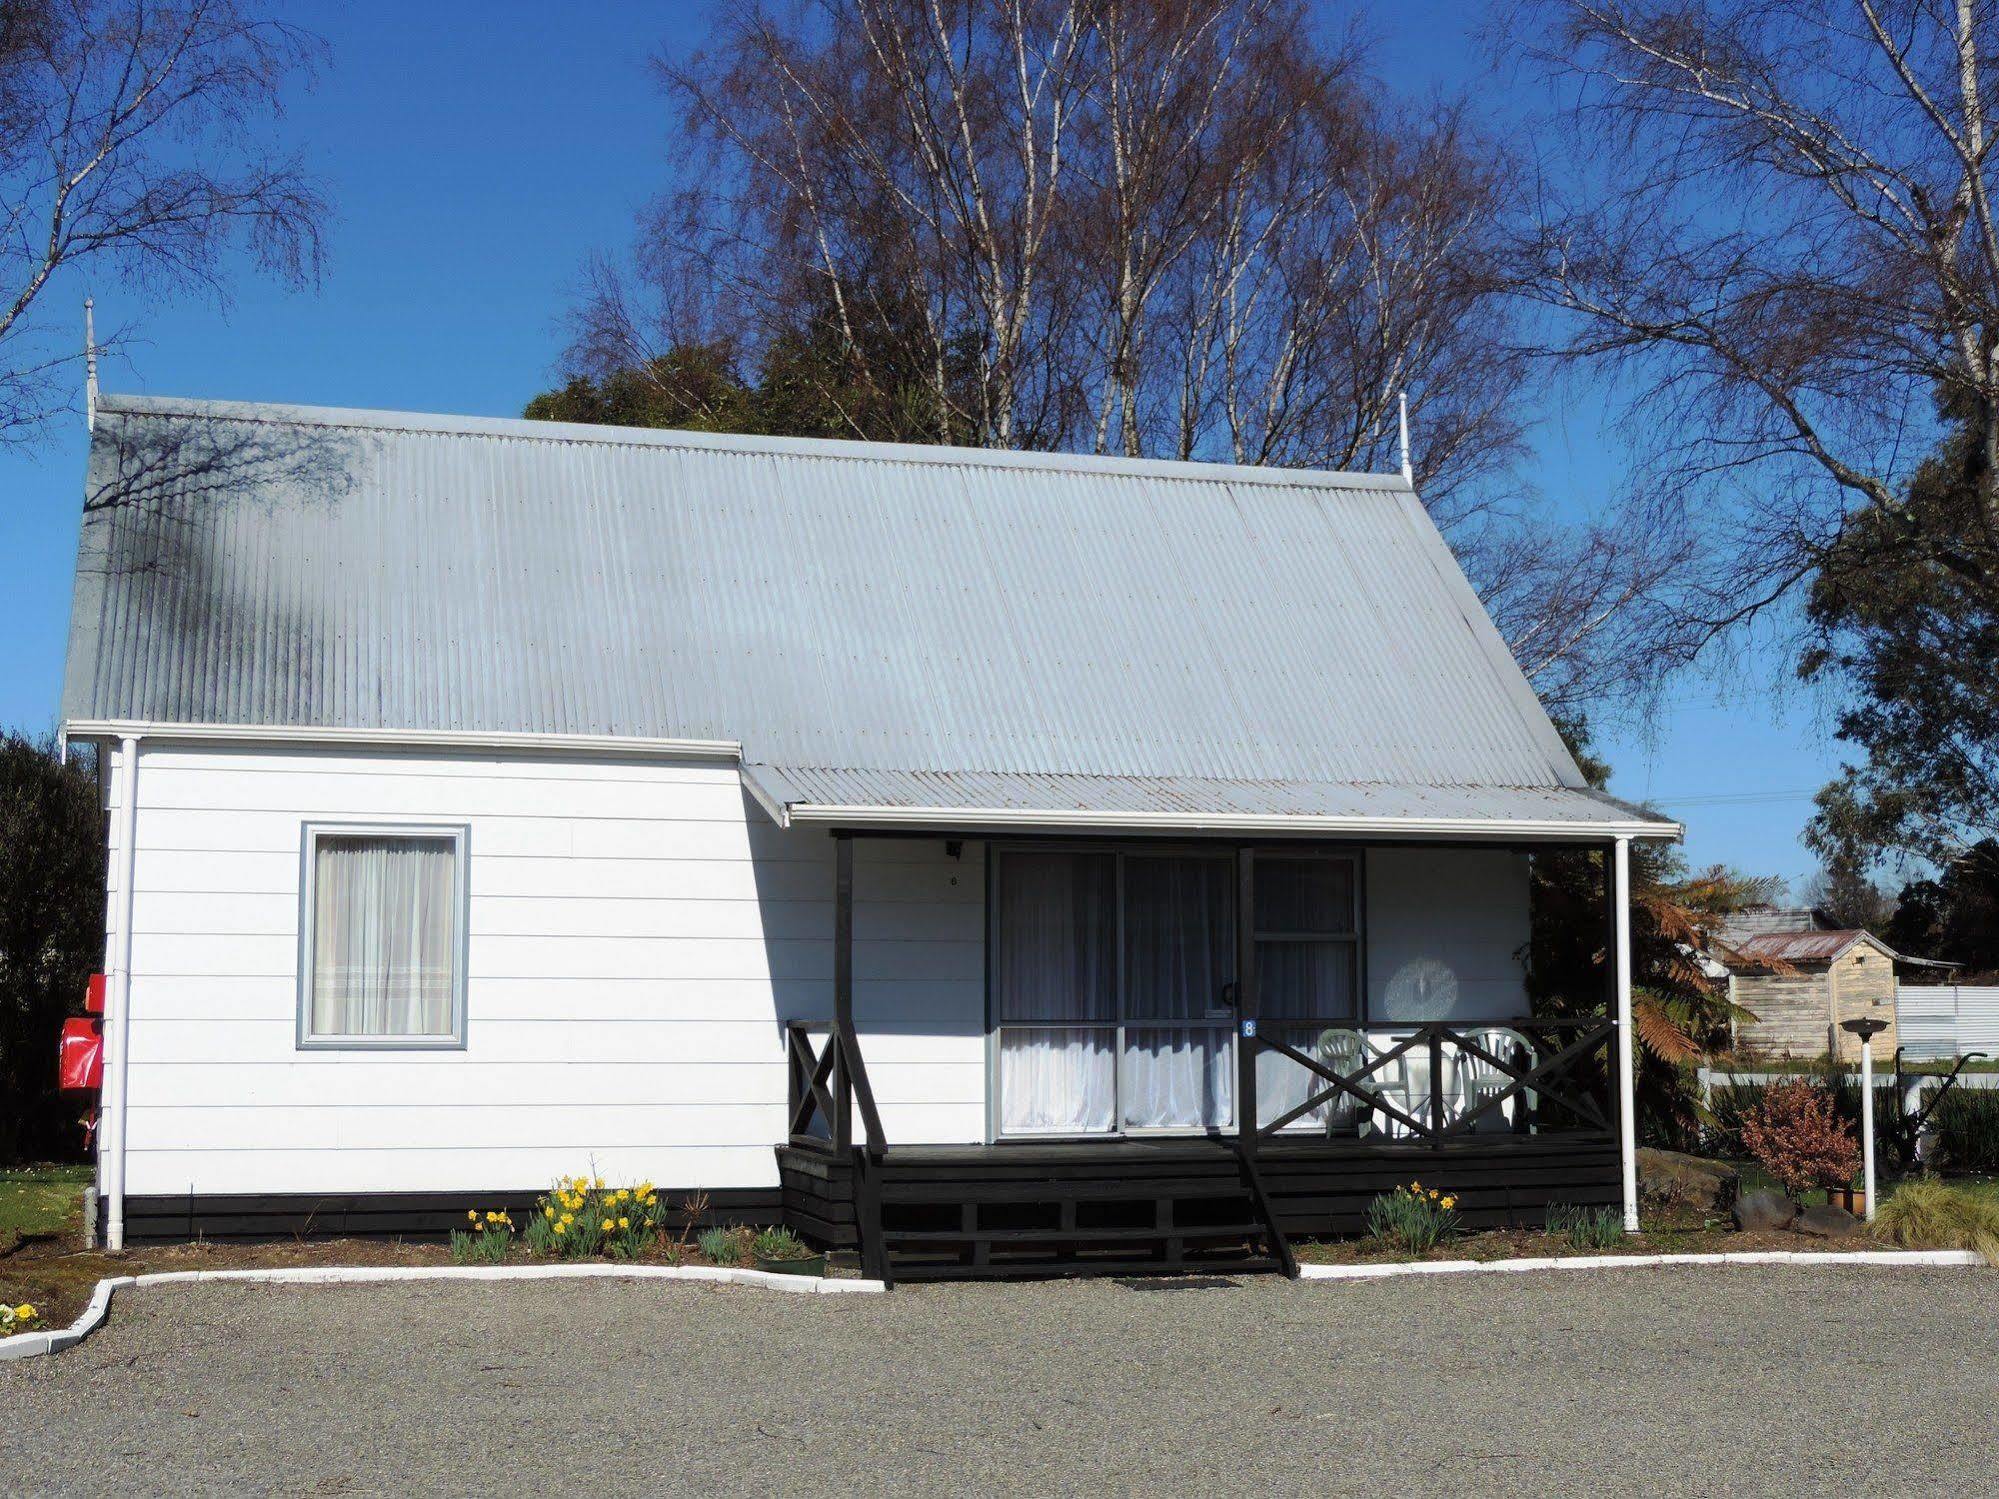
x=993 y=862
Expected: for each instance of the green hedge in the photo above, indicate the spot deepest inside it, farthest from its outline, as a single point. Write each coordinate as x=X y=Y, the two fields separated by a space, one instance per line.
x=1967 y=1126
x=1966 y=1122
x=1728 y=1102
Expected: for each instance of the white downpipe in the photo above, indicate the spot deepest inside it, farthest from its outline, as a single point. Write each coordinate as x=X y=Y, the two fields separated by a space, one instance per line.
x=1627 y=1084
x=118 y=1023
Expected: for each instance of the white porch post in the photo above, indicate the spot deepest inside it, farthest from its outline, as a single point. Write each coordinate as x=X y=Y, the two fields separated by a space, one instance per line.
x=1867 y=1122
x=1627 y=1090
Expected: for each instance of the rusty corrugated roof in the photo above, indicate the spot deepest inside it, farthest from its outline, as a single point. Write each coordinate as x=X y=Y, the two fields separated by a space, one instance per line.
x=1807 y=946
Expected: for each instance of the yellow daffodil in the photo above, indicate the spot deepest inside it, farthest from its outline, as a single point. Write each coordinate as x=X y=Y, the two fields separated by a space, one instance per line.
x=24 y=1313
x=624 y=1223
x=598 y=1184
x=472 y=1214
x=1450 y=1202
x=548 y=1212
x=608 y=1225
x=561 y=1229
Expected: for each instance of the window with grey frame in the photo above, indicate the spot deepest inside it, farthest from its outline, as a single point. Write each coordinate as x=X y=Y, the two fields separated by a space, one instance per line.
x=382 y=936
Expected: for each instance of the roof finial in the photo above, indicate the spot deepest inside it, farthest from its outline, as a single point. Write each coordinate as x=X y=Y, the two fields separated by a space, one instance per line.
x=1408 y=472
x=89 y=367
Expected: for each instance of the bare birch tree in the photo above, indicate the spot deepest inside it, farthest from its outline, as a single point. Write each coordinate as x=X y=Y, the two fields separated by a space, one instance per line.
x=1781 y=229
x=1180 y=228
x=129 y=142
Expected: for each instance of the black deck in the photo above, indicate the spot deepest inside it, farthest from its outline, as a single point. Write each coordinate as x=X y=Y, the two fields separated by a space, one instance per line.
x=1124 y=1205
x=1535 y=1123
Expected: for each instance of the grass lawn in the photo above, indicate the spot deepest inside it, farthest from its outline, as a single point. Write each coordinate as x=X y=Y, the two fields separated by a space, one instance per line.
x=42 y=1200
x=1754 y=1179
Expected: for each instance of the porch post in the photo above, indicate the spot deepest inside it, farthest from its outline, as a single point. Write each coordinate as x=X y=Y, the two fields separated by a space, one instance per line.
x=1627 y=1093
x=843 y=989
x=1246 y=1006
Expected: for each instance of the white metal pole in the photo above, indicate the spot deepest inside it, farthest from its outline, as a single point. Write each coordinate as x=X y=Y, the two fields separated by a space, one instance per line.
x=89 y=368
x=1627 y=1083
x=1402 y=423
x=118 y=1023
x=1867 y=1122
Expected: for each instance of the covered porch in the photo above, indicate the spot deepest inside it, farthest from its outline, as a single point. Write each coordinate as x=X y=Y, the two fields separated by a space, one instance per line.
x=1189 y=1064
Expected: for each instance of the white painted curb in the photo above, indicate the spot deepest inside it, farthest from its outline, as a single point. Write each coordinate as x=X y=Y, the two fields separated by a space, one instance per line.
x=54 y=1340
x=1951 y=1257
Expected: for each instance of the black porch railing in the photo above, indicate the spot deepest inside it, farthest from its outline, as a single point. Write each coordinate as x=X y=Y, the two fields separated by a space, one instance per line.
x=827 y=1081
x=1430 y=1082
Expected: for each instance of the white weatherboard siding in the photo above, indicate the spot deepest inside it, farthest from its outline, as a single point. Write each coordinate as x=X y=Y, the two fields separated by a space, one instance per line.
x=1446 y=929
x=638 y=933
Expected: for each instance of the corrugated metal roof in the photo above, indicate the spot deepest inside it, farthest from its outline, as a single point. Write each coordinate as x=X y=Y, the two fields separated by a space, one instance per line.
x=825 y=604
x=1806 y=947
x=984 y=798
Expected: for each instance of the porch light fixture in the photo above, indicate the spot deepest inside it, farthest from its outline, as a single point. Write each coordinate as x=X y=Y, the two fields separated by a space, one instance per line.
x=1866 y=1029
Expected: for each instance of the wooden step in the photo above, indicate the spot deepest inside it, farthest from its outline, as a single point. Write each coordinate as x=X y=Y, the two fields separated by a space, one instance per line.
x=896 y=1236
x=1248 y=1264
x=900 y=1192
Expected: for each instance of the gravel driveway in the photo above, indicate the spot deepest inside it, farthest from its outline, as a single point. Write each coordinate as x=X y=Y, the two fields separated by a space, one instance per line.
x=1673 y=1381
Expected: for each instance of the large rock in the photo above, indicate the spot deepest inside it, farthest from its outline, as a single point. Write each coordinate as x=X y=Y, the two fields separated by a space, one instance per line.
x=1758 y=1212
x=1822 y=1220
x=1672 y=1178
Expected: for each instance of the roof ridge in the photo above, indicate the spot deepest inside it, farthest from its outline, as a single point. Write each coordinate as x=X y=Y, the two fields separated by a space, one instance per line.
x=526 y=429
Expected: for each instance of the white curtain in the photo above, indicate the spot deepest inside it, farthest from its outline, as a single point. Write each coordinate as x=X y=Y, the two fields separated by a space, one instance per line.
x=1179 y=927
x=1055 y=960
x=383 y=935
x=1058 y=1004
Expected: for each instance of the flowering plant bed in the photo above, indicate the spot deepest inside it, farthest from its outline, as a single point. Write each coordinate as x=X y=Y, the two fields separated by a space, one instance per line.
x=59 y=1283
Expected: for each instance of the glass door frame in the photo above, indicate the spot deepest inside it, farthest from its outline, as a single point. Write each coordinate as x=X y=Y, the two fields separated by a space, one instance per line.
x=1119 y=850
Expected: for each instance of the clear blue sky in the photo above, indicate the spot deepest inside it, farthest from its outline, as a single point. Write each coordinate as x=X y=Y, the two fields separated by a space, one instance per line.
x=479 y=152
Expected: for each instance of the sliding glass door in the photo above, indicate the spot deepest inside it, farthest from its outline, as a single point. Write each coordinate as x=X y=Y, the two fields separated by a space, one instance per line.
x=1113 y=979
x=1178 y=1059
x=1055 y=992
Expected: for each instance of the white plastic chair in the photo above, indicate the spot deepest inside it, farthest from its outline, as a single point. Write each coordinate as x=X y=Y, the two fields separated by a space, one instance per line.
x=1340 y=1050
x=1478 y=1080
x=1405 y=1082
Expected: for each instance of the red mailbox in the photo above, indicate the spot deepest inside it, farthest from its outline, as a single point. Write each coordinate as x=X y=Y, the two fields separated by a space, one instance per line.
x=81 y=1067
x=80 y=1058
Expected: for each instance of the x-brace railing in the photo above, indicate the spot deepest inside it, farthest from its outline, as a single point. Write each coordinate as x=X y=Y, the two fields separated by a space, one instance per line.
x=822 y=1080
x=1542 y=1077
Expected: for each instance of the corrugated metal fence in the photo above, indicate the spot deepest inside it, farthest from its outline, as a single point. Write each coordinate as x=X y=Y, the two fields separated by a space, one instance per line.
x=1947 y=1020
